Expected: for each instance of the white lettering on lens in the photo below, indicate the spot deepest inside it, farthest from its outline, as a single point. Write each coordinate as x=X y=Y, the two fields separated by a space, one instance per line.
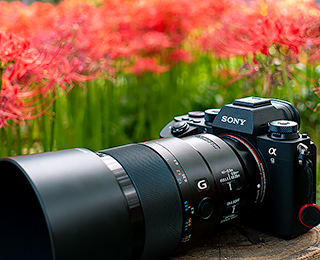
x=233 y=202
x=233 y=120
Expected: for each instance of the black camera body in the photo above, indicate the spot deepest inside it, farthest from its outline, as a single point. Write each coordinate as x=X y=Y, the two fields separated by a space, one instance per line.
x=269 y=129
x=245 y=162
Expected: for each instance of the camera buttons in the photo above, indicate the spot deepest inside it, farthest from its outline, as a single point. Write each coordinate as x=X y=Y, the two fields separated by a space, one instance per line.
x=205 y=208
x=196 y=114
x=179 y=128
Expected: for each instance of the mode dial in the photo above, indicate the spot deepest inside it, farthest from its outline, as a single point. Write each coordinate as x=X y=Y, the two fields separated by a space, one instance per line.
x=283 y=129
x=210 y=114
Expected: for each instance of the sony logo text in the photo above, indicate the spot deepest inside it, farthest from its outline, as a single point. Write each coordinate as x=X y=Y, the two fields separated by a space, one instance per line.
x=233 y=120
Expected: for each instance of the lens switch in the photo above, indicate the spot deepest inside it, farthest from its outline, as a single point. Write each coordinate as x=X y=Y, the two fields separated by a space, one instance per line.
x=205 y=208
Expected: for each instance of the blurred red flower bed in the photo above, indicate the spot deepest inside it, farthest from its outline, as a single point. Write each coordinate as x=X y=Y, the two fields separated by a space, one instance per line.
x=46 y=48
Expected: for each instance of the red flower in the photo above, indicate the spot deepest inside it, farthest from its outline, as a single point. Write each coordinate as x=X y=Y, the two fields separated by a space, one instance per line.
x=179 y=55
x=150 y=42
x=11 y=47
x=147 y=65
x=12 y=105
x=255 y=27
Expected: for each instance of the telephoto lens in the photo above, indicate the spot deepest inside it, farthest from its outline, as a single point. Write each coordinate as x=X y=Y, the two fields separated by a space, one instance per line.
x=139 y=201
x=154 y=199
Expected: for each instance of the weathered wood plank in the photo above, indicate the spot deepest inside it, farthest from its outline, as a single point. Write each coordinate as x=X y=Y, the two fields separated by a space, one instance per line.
x=244 y=243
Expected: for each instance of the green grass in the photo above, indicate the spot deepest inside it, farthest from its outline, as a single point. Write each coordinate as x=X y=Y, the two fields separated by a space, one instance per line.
x=102 y=114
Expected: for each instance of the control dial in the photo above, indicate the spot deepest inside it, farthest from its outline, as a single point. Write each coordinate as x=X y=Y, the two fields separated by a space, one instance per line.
x=283 y=129
x=179 y=128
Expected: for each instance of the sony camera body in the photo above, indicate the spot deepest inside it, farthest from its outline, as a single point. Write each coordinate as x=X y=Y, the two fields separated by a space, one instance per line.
x=286 y=159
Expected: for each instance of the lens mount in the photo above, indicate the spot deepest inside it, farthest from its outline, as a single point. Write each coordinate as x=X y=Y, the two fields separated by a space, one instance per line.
x=261 y=188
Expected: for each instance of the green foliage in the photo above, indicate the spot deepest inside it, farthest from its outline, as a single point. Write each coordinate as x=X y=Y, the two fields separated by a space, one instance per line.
x=102 y=114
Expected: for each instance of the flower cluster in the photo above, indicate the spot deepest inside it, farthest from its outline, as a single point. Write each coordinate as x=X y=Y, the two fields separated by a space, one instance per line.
x=29 y=73
x=40 y=51
x=254 y=27
x=44 y=47
x=13 y=50
x=77 y=41
x=145 y=31
x=271 y=35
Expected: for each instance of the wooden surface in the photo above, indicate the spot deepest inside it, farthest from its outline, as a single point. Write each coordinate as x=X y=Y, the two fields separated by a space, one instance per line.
x=243 y=243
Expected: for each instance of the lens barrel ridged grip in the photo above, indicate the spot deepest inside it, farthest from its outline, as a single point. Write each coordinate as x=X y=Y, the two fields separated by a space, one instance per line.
x=159 y=197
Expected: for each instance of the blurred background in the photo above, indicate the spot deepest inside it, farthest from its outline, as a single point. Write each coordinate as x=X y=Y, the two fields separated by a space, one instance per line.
x=98 y=74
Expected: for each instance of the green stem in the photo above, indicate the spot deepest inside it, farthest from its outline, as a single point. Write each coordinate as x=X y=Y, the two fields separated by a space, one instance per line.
x=19 y=151
x=1 y=72
x=9 y=141
x=94 y=96
x=53 y=125
x=2 y=143
x=285 y=79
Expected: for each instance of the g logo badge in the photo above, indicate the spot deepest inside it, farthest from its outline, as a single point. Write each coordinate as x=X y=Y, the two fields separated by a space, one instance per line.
x=202 y=184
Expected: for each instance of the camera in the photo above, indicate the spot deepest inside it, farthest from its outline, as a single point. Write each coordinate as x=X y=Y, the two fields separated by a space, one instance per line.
x=244 y=162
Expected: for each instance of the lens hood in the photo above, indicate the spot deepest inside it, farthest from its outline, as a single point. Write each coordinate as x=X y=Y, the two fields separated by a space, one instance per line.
x=62 y=205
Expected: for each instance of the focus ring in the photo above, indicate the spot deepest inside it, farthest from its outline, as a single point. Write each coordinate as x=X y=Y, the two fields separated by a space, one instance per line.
x=159 y=197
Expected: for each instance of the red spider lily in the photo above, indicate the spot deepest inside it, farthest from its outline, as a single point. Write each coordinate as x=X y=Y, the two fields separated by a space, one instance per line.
x=254 y=28
x=150 y=42
x=147 y=65
x=79 y=24
x=179 y=55
x=28 y=73
x=11 y=47
x=14 y=99
x=25 y=20
x=148 y=27
x=155 y=28
x=116 y=29
x=12 y=103
x=271 y=33
x=71 y=26
x=57 y=53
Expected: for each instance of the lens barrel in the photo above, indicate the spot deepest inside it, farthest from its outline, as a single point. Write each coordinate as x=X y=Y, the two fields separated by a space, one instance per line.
x=140 y=201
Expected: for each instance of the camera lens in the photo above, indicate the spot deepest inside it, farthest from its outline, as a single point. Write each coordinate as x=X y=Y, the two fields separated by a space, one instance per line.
x=190 y=187
x=139 y=201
